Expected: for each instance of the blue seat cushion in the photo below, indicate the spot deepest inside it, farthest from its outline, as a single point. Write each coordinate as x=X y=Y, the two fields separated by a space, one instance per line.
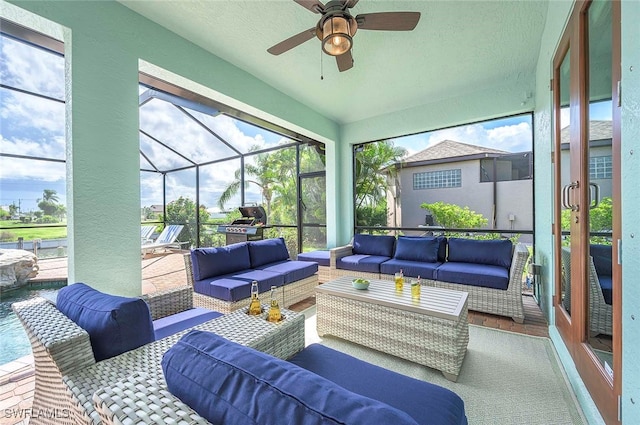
x=211 y=262
x=377 y=245
x=424 y=249
x=244 y=386
x=426 y=403
x=293 y=270
x=320 y=257
x=266 y=279
x=115 y=324
x=267 y=251
x=184 y=320
x=606 y=284
x=409 y=268
x=223 y=288
x=361 y=263
x=492 y=252
x=236 y=287
x=601 y=255
x=484 y=275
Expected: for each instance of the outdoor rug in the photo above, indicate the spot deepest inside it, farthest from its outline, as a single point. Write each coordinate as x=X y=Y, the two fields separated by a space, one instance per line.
x=506 y=378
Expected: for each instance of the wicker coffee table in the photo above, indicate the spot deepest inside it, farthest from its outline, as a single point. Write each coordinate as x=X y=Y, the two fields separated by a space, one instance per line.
x=432 y=331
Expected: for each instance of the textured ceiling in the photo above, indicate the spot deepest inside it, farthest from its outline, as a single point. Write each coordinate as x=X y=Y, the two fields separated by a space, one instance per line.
x=457 y=47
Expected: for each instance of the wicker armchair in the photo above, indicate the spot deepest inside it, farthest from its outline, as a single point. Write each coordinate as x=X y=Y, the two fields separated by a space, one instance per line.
x=600 y=313
x=60 y=347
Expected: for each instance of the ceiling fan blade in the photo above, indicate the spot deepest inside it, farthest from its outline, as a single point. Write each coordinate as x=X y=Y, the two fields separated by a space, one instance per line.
x=348 y=4
x=313 y=5
x=345 y=61
x=292 y=42
x=388 y=21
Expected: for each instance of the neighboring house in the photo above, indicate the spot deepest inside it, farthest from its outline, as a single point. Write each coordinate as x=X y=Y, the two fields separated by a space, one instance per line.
x=463 y=174
x=600 y=164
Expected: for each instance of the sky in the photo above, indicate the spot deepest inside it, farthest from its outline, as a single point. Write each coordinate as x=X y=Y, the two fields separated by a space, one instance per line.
x=34 y=126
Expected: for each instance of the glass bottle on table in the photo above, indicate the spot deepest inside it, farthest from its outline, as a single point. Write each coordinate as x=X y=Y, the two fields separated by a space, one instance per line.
x=254 y=307
x=399 y=280
x=274 y=309
x=415 y=289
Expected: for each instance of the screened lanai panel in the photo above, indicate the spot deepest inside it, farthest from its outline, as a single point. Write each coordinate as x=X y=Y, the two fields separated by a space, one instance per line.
x=32 y=126
x=220 y=186
x=30 y=68
x=174 y=127
x=312 y=158
x=271 y=181
x=241 y=136
x=163 y=158
x=23 y=182
x=181 y=203
x=150 y=193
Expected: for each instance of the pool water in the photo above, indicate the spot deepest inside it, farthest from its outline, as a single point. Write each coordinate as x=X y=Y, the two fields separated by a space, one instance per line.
x=14 y=342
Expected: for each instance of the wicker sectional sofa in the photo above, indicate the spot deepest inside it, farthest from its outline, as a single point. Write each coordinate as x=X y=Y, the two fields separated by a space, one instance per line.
x=489 y=270
x=221 y=277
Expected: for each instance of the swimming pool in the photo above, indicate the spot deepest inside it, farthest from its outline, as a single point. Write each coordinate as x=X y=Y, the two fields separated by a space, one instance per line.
x=14 y=342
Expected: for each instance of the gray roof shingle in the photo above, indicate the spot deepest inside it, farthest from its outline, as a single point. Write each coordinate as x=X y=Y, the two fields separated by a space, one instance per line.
x=449 y=149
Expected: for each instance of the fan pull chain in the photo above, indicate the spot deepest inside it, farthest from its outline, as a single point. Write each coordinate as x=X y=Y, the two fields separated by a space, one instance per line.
x=321 y=68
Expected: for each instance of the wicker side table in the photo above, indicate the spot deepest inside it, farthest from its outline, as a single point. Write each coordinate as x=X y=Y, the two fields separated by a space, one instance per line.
x=281 y=340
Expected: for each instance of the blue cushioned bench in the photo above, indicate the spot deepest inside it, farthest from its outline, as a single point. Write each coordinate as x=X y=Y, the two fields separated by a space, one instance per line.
x=221 y=277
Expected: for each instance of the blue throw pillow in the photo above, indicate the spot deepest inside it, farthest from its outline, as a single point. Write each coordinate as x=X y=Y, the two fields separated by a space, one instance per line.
x=423 y=249
x=267 y=251
x=211 y=262
x=380 y=245
x=115 y=324
x=244 y=386
x=490 y=252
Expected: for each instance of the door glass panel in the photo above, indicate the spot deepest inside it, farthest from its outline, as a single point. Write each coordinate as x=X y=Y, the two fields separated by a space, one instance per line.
x=565 y=180
x=600 y=177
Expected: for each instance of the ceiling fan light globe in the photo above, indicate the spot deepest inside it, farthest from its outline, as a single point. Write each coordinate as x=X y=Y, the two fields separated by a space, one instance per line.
x=336 y=36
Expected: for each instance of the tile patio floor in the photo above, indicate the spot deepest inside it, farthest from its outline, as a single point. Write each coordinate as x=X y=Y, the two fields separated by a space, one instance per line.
x=164 y=271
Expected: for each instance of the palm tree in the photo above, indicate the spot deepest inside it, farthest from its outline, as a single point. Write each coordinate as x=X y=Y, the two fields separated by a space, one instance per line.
x=270 y=173
x=50 y=195
x=375 y=167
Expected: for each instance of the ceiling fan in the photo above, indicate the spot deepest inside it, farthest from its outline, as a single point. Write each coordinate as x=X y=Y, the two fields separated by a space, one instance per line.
x=337 y=27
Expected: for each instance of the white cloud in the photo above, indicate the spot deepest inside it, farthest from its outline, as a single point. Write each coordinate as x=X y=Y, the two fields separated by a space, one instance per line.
x=512 y=138
x=31 y=69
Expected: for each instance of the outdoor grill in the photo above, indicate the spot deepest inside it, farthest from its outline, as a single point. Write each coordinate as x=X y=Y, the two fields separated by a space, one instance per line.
x=247 y=228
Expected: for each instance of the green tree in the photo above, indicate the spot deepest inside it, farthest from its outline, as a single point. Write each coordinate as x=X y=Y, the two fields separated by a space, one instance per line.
x=454 y=216
x=600 y=219
x=13 y=209
x=183 y=211
x=269 y=173
x=377 y=167
x=4 y=214
x=48 y=204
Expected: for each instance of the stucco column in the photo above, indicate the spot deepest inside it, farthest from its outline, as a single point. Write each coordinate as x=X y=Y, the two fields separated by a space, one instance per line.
x=103 y=177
